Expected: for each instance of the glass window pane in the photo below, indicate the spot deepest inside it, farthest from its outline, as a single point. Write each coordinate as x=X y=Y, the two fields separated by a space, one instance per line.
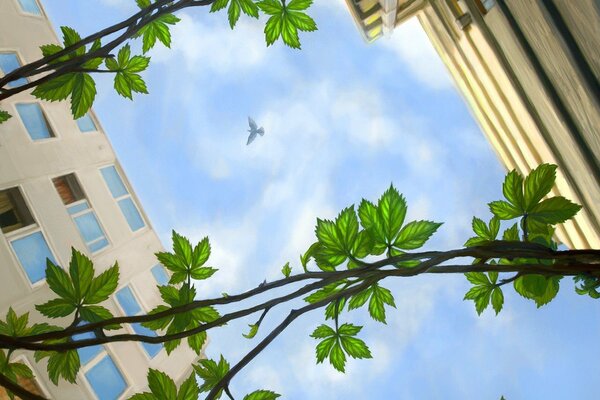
x=88 y=226
x=86 y=124
x=86 y=354
x=128 y=302
x=99 y=245
x=32 y=252
x=106 y=380
x=78 y=207
x=151 y=348
x=114 y=182
x=160 y=275
x=131 y=214
x=30 y=6
x=34 y=120
x=8 y=63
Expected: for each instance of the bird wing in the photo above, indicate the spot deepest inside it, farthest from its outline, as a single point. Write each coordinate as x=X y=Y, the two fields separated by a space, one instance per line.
x=252 y=123
x=251 y=137
x=261 y=131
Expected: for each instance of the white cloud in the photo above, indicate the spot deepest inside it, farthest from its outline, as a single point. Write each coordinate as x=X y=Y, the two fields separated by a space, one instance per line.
x=413 y=48
x=208 y=45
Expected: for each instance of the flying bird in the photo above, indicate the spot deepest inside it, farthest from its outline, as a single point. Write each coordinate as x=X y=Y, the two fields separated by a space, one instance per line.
x=254 y=130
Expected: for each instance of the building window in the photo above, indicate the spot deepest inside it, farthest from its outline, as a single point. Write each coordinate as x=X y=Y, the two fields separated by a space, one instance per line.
x=35 y=121
x=123 y=197
x=30 y=7
x=131 y=307
x=30 y=384
x=29 y=246
x=485 y=5
x=104 y=377
x=8 y=63
x=160 y=275
x=86 y=123
x=78 y=207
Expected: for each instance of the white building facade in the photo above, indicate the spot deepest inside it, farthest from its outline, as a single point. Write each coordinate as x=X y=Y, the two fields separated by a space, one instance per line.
x=61 y=186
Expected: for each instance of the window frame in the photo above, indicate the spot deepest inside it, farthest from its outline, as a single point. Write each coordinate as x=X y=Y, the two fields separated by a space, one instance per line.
x=49 y=123
x=15 y=51
x=88 y=210
x=20 y=10
x=143 y=310
x=84 y=368
x=165 y=269
x=23 y=232
x=94 y=121
x=129 y=194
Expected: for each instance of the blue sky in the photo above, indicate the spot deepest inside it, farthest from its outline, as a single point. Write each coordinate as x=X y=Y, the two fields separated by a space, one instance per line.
x=343 y=120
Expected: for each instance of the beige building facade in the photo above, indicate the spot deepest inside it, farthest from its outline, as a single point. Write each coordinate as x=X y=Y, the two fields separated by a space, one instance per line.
x=530 y=72
x=61 y=186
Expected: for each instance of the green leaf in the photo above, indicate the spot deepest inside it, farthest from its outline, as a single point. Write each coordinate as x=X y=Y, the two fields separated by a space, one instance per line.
x=262 y=395
x=323 y=349
x=50 y=49
x=4 y=116
x=325 y=292
x=103 y=286
x=337 y=358
x=347 y=228
x=143 y=3
x=96 y=314
x=58 y=88
x=289 y=32
x=126 y=83
x=189 y=389
x=504 y=210
x=252 y=333
x=359 y=299
x=538 y=288
x=219 y=5
x=512 y=188
x=182 y=248
x=63 y=365
x=56 y=308
x=302 y=21
x=211 y=373
x=299 y=5
x=329 y=236
x=59 y=282
x=415 y=234
x=512 y=234
x=161 y=323
x=475 y=241
x=172 y=262
x=335 y=308
x=349 y=329
x=161 y=385
x=323 y=331
x=83 y=94
x=538 y=184
x=481 y=296
x=310 y=253
x=286 y=270
x=203 y=273
x=249 y=8
x=21 y=369
x=371 y=221
x=477 y=278
x=270 y=7
x=480 y=228
x=554 y=210
x=143 y=396
x=138 y=64
x=70 y=37
x=197 y=341
x=355 y=348
x=233 y=13
x=392 y=211
x=497 y=300
x=157 y=29
x=379 y=297
x=81 y=271
x=201 y=253
x=273 y=29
